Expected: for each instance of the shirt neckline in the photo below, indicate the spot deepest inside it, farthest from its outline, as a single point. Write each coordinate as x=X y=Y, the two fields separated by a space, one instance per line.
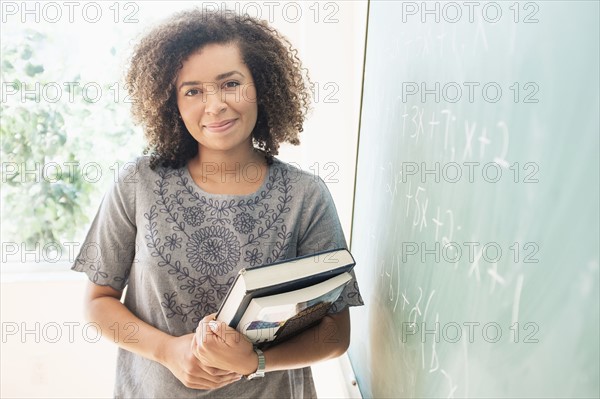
x=262 y=187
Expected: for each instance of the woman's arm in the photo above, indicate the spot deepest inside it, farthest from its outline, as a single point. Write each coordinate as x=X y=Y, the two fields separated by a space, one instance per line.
x=103 y=306
x=221 y=346
x=327 y=340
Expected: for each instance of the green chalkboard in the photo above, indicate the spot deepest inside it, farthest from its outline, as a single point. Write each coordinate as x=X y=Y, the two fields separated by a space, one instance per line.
x=475 y=224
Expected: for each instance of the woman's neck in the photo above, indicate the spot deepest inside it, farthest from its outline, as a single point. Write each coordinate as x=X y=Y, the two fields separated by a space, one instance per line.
x=234 y=159
x=226 y=167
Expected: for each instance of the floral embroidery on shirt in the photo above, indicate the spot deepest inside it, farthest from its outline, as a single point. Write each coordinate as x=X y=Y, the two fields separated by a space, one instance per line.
x=121 y=281
x=194 y=216
x=96 y=268
x=213 y=250
x=244 y=222
x=173 y=241
x=253 y=257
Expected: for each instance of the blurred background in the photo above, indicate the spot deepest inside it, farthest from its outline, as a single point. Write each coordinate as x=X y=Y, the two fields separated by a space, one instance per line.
x=66 y=131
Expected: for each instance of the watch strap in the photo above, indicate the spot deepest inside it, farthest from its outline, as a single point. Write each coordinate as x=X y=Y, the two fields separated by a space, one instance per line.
x=260 y=370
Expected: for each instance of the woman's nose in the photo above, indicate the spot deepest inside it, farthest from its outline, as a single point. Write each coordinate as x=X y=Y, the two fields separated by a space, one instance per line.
x=214 y=100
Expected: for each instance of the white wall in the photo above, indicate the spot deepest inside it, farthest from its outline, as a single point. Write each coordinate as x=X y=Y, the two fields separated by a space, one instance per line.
x=48 y=349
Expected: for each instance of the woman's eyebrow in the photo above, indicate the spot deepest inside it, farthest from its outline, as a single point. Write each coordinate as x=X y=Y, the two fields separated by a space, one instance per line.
x=217 y=78
x=228 y=74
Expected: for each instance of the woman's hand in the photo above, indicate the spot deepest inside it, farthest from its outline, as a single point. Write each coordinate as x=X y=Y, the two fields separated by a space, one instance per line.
x=222 y=347
x=180 y=360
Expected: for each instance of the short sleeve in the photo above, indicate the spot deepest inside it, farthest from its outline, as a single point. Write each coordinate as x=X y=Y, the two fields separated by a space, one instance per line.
x=108 y=251
x=321 y=231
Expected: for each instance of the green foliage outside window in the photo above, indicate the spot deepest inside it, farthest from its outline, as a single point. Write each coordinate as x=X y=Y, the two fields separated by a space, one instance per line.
x=61 y=143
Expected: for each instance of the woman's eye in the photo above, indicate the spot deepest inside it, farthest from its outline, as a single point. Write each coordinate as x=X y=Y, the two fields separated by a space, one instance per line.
x=232 y=84
x=192 y=92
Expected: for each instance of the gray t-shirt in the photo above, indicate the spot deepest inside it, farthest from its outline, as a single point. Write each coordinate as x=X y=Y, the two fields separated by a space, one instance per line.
x=177 y=249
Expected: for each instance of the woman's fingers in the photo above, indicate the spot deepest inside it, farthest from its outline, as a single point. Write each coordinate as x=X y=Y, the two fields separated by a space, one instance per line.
x=218 y=372
x=201 y=377
x=187 y=365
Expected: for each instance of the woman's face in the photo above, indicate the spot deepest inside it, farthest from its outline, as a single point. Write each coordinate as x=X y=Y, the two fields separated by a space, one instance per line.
x=216 y=98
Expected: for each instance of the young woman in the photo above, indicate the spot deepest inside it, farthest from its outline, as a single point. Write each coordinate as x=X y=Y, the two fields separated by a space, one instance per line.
x=216 y=93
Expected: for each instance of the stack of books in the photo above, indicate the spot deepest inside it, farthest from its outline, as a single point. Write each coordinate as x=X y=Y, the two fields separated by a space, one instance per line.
x=273 y=302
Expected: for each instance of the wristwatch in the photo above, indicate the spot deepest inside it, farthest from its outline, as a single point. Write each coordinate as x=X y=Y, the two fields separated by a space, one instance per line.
x=260 y=371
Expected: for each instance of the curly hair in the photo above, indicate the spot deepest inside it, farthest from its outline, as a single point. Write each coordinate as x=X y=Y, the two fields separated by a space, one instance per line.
x=282 y=84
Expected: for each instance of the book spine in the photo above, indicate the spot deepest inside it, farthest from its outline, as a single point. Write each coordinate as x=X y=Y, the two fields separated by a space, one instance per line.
x=224 y=301
x=241 y=310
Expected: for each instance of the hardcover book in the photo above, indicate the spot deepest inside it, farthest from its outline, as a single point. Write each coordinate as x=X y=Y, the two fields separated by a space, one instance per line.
x=273 y=302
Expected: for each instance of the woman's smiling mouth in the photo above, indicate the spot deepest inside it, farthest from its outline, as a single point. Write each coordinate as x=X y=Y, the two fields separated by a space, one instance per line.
x=219 y=127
